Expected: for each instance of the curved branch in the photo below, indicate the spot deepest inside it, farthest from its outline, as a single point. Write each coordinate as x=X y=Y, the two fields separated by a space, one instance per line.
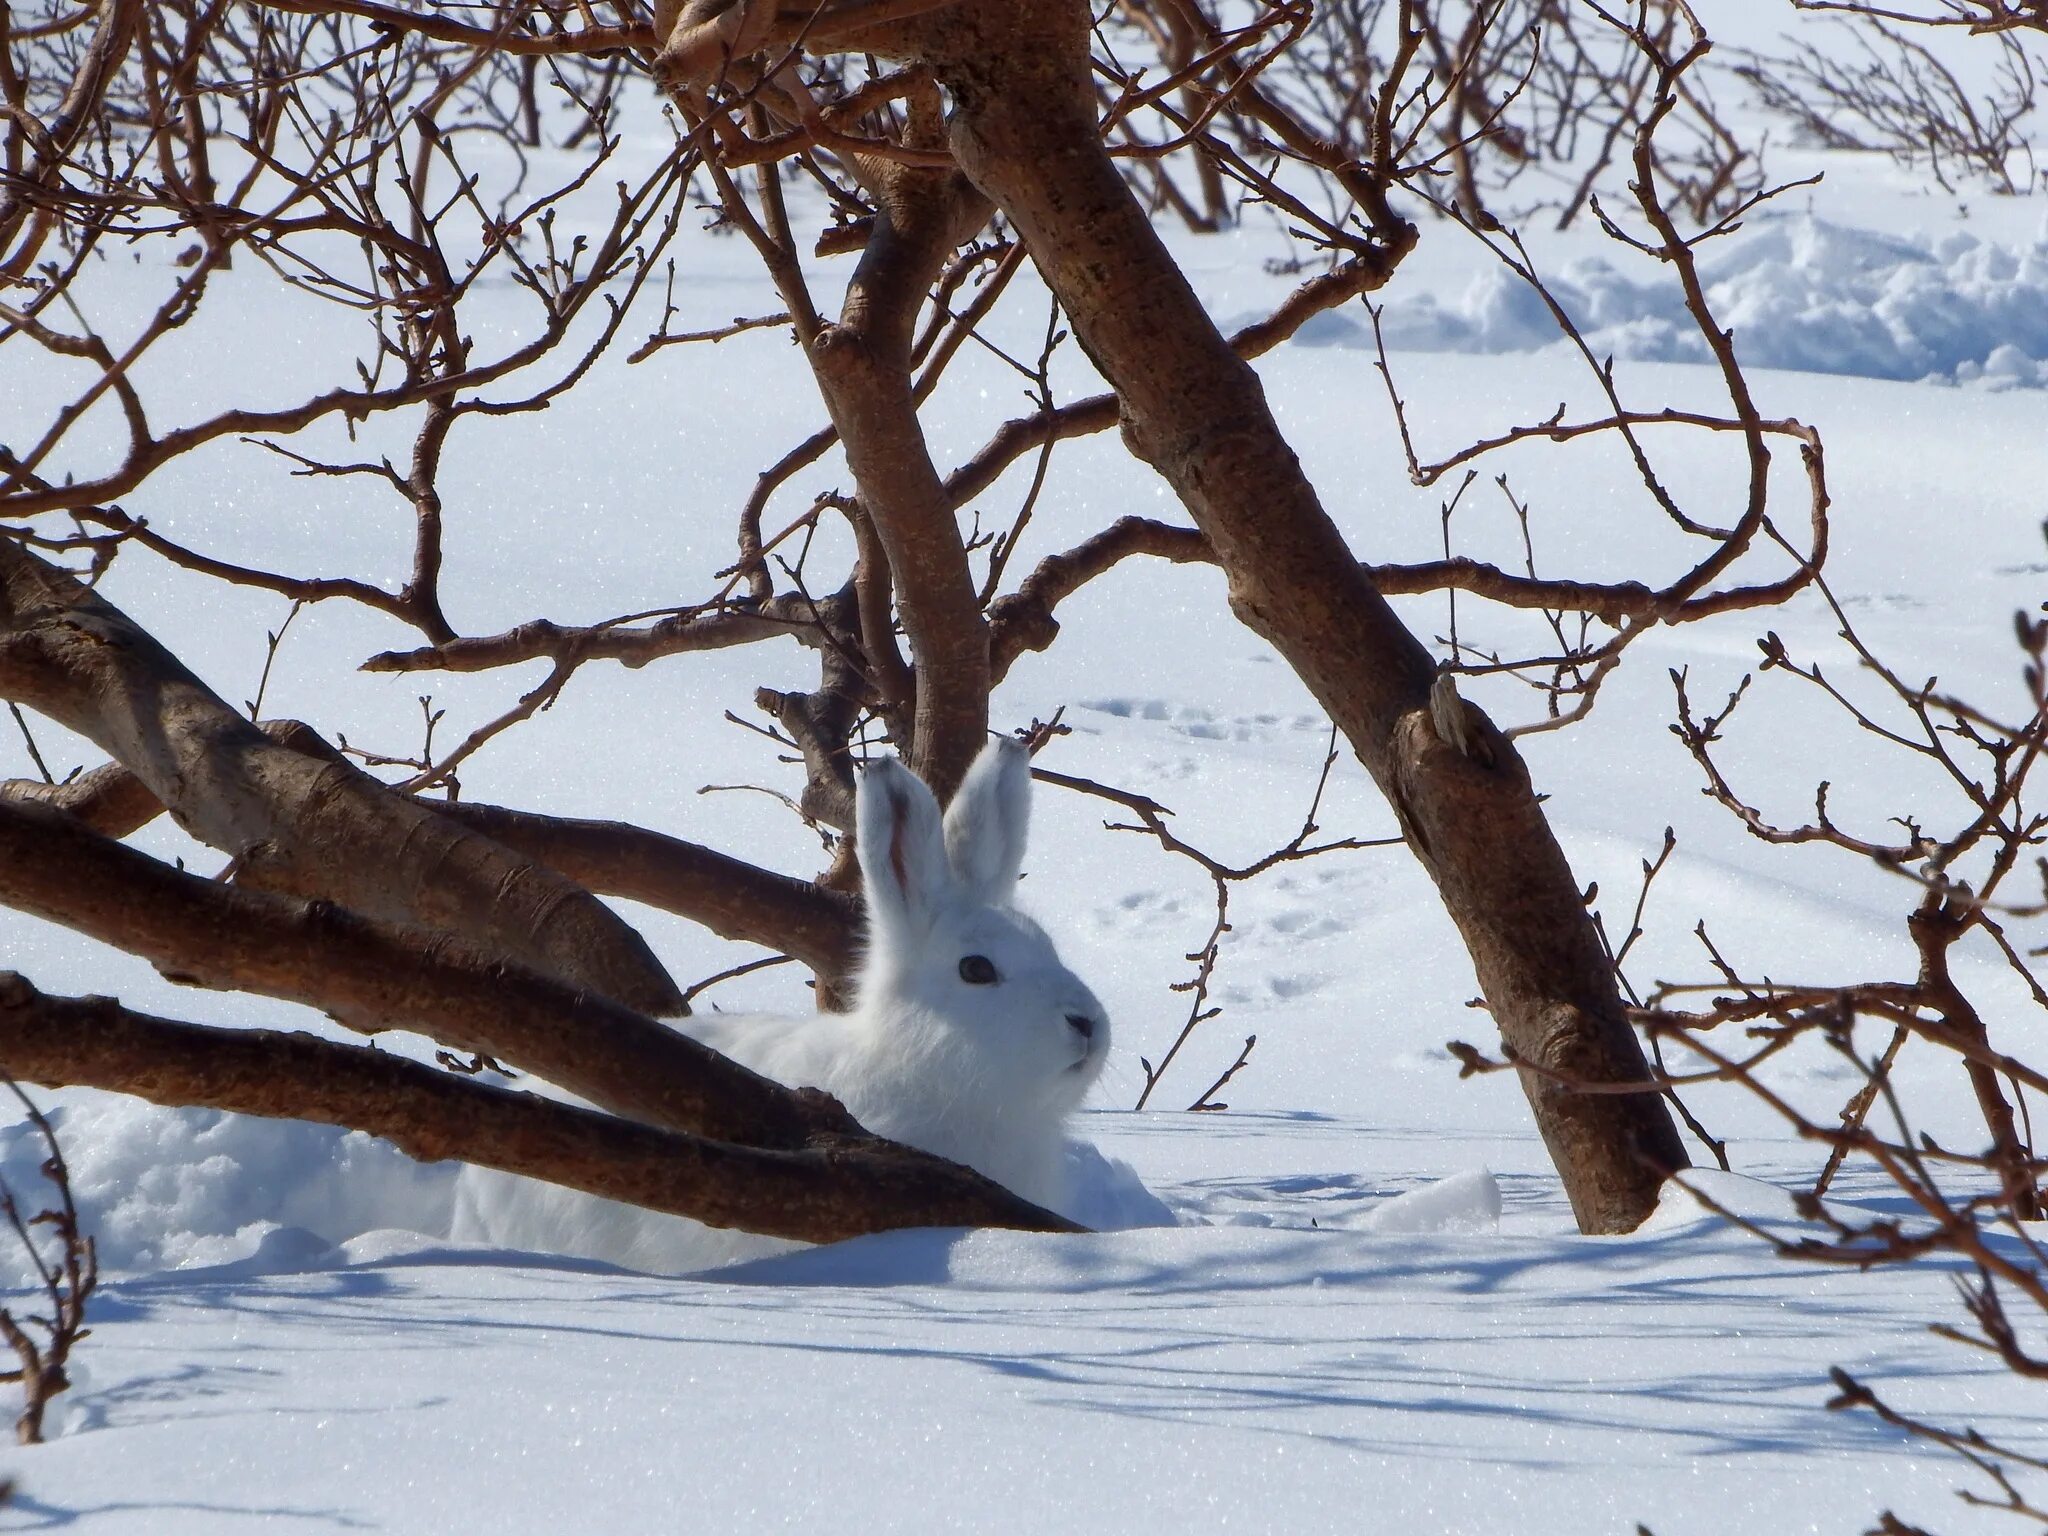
x=845 y=1186
x=1098 y=413
x=301 y=589
x=294 y=814
x=734 y=899
x=442 y=29
x=53 y=143
x=1023 y=620
x=109 y=799
x=862 y=365
x=696 y=630
x=374 y=978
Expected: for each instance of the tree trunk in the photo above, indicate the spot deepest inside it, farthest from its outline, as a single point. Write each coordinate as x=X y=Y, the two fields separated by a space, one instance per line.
x=1024 y=130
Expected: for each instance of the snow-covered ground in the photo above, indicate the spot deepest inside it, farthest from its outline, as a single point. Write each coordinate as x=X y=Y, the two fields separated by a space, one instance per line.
x=1375 y=1313
x=1208 y=1378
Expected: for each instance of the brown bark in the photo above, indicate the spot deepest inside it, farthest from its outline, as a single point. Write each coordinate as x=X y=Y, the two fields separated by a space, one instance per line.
x=1098 y=413
x=839 y=1186
x=862 y=365
x=1024 y=131
x=1023 y=620
x=54 y=140
x=296 y=819
x=109 y=799
x=734 y=899
x=1935 y=926
x=525 y=44
x=373 y=978
x=787 y=614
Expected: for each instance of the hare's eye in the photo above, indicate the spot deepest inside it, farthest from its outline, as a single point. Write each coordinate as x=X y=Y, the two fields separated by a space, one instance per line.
x=980 y=970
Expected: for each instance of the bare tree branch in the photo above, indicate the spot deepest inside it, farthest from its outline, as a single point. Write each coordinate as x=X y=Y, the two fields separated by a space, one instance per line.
x=375 y=978
x=839 y=1185
x=294 y=819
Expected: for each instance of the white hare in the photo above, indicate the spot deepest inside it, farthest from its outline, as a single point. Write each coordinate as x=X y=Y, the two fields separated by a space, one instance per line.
x=968 y=1037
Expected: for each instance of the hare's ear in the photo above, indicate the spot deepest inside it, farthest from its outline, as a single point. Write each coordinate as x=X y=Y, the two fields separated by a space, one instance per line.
x=987 y=821
x=902 y=848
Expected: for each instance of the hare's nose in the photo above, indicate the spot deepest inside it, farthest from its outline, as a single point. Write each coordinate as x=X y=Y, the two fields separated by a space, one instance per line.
x=1083 y=1025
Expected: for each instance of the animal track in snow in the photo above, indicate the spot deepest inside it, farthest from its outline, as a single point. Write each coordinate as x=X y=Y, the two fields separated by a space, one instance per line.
x=1203 y=724
x=1141 y=910
x=1302 y=923
x=1263 y=991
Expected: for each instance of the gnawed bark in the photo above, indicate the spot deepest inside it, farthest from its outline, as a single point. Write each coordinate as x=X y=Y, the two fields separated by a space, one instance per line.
x=839 y=1185
x=304 y=821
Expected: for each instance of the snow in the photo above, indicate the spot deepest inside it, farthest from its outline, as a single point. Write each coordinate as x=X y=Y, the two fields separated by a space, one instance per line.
x=1799 y=292
x=1259 y=1379
x=1354 y=1300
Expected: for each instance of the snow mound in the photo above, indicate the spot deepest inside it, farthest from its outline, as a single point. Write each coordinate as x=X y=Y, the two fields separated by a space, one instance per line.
x=1464 y=1202
x=194 y=1188
x=1799 y=293
x=1106 y=1193
x=1707 y=1196
x=223 y=1197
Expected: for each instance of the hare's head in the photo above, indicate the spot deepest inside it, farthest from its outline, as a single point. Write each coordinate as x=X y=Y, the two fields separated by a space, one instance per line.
x=956 y=973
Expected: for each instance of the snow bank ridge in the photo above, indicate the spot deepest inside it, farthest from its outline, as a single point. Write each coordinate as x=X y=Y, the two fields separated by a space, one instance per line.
x=1800 y=293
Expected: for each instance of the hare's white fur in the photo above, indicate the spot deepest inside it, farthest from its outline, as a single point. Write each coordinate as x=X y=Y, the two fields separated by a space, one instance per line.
x=981 y=1071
